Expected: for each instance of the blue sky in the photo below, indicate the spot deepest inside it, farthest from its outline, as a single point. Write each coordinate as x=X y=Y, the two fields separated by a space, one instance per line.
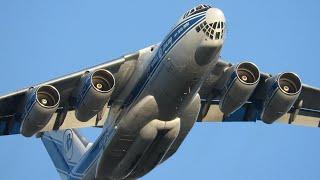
x=40 y=40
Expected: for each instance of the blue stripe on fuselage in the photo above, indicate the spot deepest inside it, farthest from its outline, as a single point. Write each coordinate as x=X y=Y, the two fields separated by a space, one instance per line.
x=93 y=153
x=169 y=42
x=171 y=39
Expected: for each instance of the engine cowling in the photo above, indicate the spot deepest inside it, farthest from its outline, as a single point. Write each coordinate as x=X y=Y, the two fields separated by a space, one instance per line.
x=40 y=104
x=241 y=80
x=281 y=93
x=93 y=93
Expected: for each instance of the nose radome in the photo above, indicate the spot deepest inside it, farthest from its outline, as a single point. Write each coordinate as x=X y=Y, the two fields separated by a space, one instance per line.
x=214 y=15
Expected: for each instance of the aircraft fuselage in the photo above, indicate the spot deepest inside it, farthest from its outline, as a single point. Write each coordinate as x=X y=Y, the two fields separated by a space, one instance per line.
x=150 y=123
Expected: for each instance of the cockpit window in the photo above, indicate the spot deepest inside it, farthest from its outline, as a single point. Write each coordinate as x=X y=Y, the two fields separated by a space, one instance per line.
x=196 y=10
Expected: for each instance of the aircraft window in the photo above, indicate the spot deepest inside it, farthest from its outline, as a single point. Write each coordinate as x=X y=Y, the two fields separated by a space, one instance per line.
x=198 y=29
x=206 y=6
x=222 y=25
x=204 y=29
x=212 y=31
x=186 y=14
x=217 y=35
x=201 y=26
x=211 y=36
x=196 y=10
x=218 y=25
x=214 y=25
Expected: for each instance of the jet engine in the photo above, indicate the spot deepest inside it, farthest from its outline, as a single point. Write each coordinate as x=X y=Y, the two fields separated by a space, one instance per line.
x=241 y=80
x=41 y=103
x=281 y=93
x=93 y=93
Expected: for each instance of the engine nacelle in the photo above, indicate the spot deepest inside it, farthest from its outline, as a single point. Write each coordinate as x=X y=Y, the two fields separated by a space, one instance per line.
x=281 y=93
x=93 y=93
x=40 y=104
x=241 y=80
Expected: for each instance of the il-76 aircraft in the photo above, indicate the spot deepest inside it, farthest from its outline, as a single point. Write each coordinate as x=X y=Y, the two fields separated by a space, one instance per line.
x=147 y=102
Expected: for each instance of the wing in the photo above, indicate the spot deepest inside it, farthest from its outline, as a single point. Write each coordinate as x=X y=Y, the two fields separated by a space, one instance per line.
x=305 y=110
x=64 y=117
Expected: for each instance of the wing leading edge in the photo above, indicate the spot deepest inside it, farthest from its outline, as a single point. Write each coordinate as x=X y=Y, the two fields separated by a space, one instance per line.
x=64 y=117
x=305 y=110
x=249 y=113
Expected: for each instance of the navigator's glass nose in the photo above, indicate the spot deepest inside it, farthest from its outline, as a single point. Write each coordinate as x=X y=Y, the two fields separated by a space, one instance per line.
x=215 y=28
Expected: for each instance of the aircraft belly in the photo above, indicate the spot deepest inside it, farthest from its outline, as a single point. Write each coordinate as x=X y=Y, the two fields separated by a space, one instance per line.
x=162 y=149
x=137 y=131
x=142 y=141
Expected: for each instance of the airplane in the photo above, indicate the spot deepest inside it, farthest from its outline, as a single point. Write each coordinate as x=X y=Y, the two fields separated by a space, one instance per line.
x=146 y=102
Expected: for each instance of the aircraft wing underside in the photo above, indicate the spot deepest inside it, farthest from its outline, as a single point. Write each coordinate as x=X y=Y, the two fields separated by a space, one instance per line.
x=64 y=116
x=305 y=110
x=249 y=113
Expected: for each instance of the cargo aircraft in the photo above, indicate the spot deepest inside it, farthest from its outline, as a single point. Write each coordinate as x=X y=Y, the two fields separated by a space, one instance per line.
x=146 y=102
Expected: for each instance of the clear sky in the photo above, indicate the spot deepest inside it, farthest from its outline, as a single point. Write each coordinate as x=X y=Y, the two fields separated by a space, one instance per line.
x=40 y=40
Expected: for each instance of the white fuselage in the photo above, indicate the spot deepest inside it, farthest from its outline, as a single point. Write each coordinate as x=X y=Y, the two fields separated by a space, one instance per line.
x=171 y=73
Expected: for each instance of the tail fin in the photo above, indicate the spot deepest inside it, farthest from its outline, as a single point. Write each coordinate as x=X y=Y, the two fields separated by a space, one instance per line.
x=65 y=148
